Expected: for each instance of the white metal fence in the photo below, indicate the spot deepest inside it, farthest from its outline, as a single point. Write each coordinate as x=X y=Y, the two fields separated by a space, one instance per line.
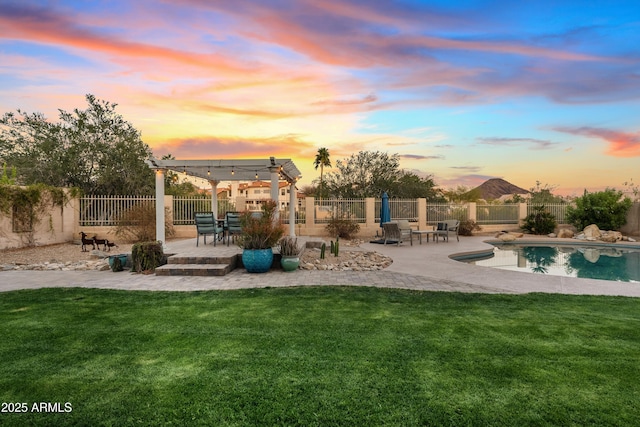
x=443 y=211
x=558 y=210
x=354 y=209
x=400 y=209
x=107 y=210
x=184 y=208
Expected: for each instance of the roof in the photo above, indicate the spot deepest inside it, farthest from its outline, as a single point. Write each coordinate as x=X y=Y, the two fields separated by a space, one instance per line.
x=230 y=169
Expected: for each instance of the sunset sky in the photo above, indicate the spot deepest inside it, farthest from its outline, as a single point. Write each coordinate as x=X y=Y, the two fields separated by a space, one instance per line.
x=463 y=90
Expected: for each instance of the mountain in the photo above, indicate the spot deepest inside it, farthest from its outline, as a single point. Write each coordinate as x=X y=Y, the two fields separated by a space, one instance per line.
x=496 y=188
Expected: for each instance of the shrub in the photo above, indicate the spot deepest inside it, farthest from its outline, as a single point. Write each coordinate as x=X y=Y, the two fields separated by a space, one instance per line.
x=540 y=221
x=138 y=223
x=607 y=209
x=147 y=256
x=342 y=227
x=467 y=227
x=263 y=231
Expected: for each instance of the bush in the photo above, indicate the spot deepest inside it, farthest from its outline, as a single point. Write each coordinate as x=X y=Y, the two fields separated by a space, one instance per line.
x=540 y=221
x=147 y=256
x=342 y=227
x=467 y=227
x=138 y=223
x=607 y=209
x=261 y=231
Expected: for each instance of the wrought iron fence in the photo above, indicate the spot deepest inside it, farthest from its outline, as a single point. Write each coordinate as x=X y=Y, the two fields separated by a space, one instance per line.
x=354 y=209
x=107 y=210
x=497 y=214
x=437 y=212
x=184 y=208
x=400 y=209
x=300 y=215
x=558 y=210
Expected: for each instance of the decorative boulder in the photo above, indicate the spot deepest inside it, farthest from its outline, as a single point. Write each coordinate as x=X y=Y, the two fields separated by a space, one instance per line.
x=507 y=237
x=592 y=231
x=611 y=236
x=565 y=233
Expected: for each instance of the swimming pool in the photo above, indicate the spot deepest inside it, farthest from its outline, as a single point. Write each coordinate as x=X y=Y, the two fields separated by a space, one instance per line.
x=590 y=262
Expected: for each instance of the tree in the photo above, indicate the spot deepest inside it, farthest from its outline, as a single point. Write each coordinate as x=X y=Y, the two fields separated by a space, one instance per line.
x=463 y=194
x=322 y=160
x=174 y=187
x=607 y=209
x=370 y=173
x=94 y=150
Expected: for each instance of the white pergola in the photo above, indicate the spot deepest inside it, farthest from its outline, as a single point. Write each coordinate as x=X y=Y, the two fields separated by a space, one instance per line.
x=215 y=171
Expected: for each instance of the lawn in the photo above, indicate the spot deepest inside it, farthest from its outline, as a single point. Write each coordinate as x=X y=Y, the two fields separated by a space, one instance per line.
x=318 y=356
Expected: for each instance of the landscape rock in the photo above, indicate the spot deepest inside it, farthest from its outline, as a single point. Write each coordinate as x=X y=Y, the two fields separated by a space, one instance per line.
x=592 y=231
x=507 y=237
x=552 y=235
x=565 y=233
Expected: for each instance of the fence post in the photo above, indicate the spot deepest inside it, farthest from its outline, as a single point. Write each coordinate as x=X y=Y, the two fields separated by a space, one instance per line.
x=168 y=208
x=522 y=213
x=370 y=212
x=472 y=211
x=309 y=213
x=422 y=214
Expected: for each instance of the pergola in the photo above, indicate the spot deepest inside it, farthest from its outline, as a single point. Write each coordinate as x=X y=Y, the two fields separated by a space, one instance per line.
x=215 y=171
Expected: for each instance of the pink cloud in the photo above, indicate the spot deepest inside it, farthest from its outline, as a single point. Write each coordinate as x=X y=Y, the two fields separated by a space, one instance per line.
x=228 y=147
x=621 y=144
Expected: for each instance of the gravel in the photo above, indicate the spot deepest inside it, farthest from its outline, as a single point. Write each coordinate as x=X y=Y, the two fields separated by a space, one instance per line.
x=61 y=253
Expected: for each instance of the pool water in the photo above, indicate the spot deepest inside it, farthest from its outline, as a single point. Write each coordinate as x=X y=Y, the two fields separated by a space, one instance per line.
x=597 y=262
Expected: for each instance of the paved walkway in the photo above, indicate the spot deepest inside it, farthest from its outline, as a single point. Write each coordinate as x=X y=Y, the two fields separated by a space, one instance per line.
x=425 y=267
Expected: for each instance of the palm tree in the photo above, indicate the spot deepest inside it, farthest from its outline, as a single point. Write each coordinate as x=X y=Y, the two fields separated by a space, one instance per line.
x=322 y=160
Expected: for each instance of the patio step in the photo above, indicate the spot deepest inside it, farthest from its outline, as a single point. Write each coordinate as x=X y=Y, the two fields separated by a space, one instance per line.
x=193 y=270
x=198 y=265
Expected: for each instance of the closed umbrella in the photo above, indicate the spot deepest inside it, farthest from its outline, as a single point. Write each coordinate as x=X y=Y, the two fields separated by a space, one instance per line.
x=385 y=210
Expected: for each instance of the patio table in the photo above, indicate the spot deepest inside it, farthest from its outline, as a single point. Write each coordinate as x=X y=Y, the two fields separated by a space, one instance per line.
x=426 y=233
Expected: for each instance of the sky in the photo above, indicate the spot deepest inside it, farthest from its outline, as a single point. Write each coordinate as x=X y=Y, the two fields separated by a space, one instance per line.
x=463 y=91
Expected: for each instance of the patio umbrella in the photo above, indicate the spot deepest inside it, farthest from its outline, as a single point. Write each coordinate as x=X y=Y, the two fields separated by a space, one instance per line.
x=385 y=210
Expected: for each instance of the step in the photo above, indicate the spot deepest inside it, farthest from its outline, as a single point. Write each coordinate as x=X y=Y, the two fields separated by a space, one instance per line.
x=193 y=270
x=188 y=259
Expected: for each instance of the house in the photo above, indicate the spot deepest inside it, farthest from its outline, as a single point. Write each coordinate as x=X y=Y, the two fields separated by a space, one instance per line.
x=257 y=192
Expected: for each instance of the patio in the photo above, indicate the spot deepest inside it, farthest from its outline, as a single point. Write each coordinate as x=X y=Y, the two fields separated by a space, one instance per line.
x=424 y=267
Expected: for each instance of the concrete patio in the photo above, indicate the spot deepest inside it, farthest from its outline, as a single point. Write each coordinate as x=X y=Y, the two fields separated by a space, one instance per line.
x=425 y=267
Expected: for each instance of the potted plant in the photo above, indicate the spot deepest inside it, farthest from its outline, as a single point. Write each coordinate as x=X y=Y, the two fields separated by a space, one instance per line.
x=259 y=235
x=290 y=252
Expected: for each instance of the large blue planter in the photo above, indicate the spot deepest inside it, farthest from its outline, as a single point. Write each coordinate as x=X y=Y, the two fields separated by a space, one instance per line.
x=257 y=260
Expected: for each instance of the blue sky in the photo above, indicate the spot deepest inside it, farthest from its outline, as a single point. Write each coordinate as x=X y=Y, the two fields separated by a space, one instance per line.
x=463 y=91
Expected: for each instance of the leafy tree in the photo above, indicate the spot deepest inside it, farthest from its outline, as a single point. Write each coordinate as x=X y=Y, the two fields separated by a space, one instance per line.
x=8 y=178
x=543 y=195
x=462 y=194
x=322 y=159
x=174 y=187
x=95 y=150
x=370 y=173
x=607 y=209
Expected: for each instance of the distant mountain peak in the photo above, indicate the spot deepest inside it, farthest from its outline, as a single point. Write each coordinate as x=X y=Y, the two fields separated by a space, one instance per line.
x=497 y=187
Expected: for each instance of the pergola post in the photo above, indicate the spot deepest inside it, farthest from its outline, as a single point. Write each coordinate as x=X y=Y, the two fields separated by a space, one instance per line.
x=214 y=197
x=275 y=179
x=292 y=209
x=160 y=206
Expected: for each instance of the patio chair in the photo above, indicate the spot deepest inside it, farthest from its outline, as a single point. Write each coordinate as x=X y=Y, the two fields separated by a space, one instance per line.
x=394 y=232
x=405 y=229
x=447 y=227
x=206 y=223
x=234 y=227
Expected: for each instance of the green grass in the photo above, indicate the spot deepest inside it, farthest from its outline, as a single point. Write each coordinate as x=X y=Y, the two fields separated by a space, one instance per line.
x=320 y=356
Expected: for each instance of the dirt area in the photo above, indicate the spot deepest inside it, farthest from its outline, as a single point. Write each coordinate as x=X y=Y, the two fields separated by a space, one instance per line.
x=60 y=253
